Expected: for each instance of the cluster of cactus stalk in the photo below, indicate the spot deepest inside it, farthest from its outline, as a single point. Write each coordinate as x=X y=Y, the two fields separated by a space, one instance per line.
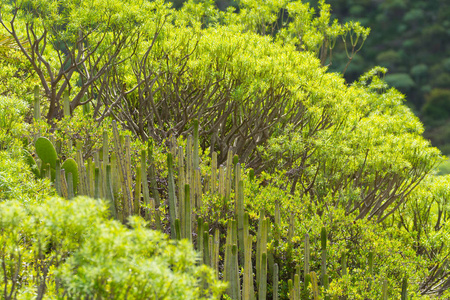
x=246 y=266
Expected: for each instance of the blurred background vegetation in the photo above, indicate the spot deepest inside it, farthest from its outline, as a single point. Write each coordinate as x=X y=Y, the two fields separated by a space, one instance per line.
x=411 y=39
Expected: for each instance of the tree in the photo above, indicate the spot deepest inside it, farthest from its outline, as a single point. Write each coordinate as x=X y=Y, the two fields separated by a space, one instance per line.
x=72 y=44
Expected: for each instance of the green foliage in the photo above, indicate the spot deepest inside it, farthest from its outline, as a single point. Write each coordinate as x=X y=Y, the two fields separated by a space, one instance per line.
x=444 y=168
x=17 y=181
x=106 y=259
x=11 y=121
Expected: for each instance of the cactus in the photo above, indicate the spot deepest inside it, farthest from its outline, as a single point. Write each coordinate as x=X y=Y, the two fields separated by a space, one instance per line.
x=152 y=174
x=247 y=288
x=291 y=290
x=66 y=102
x=262 y=291
x=296 y=289
x=32 y=163
x=344 y=264
x=97 y=183
x=216 y=251
x=384 y=290
x=122 y=168
x=58 y=178
x=323 y=265
x=187 y=217
x=144 y=182
x=200 y=235
x=137 y=191
x=70 y=193
x=213 y=184
x=198 y=188
x=315 y=286
x=240 y=218
x=306 y=273
x=196 y=158
x=64 y=188
x=37 y=104
x=180 y=183
x=70 y=165
x=275 y=282
x=404 y=295
x=109 y=192
x=178 y=228
x=46 y=152
x=86 y=106
x=206 y=250
x=172 y=197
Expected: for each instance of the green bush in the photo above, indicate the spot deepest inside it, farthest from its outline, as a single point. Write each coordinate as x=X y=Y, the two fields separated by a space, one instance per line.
x=11 y=121
x=72 y=250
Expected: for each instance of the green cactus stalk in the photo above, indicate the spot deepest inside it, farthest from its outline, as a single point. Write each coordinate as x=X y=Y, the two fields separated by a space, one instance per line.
x=206 y=258
x=384 y=290
x=172 y=197
x=247 y=288
x=213 y=184
x=296 y=286
x=58 y=178
x=232 y=273
x=109 y=192
x=200 y=235
x=315 y=285
x=181 y=183
x=404 y=295
x=178 y=228
x=122 y=166
x=152 y=174
x=198 y=188
x=90 y=177
x=64 y=188
x=227 y=258
x=189 y=162
x=291 y=290
x=97 y=183
x=187 y=216
x=228 y=174
x=196 y=143
x=137 y=190
x=344 y=264
x=261 y=246
x=240 y=218
x=216 y=251
x=128 y=165
x=70 y=186
x=222 y=181
x=306 y=274
x=326 y=285
x=37 y=104
x=144 y=183
x=86 y=106
x=323 y=265
x=275 y=282
x=71 y=167
x=105 y=151
x=370 y=263
x=66 y=102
